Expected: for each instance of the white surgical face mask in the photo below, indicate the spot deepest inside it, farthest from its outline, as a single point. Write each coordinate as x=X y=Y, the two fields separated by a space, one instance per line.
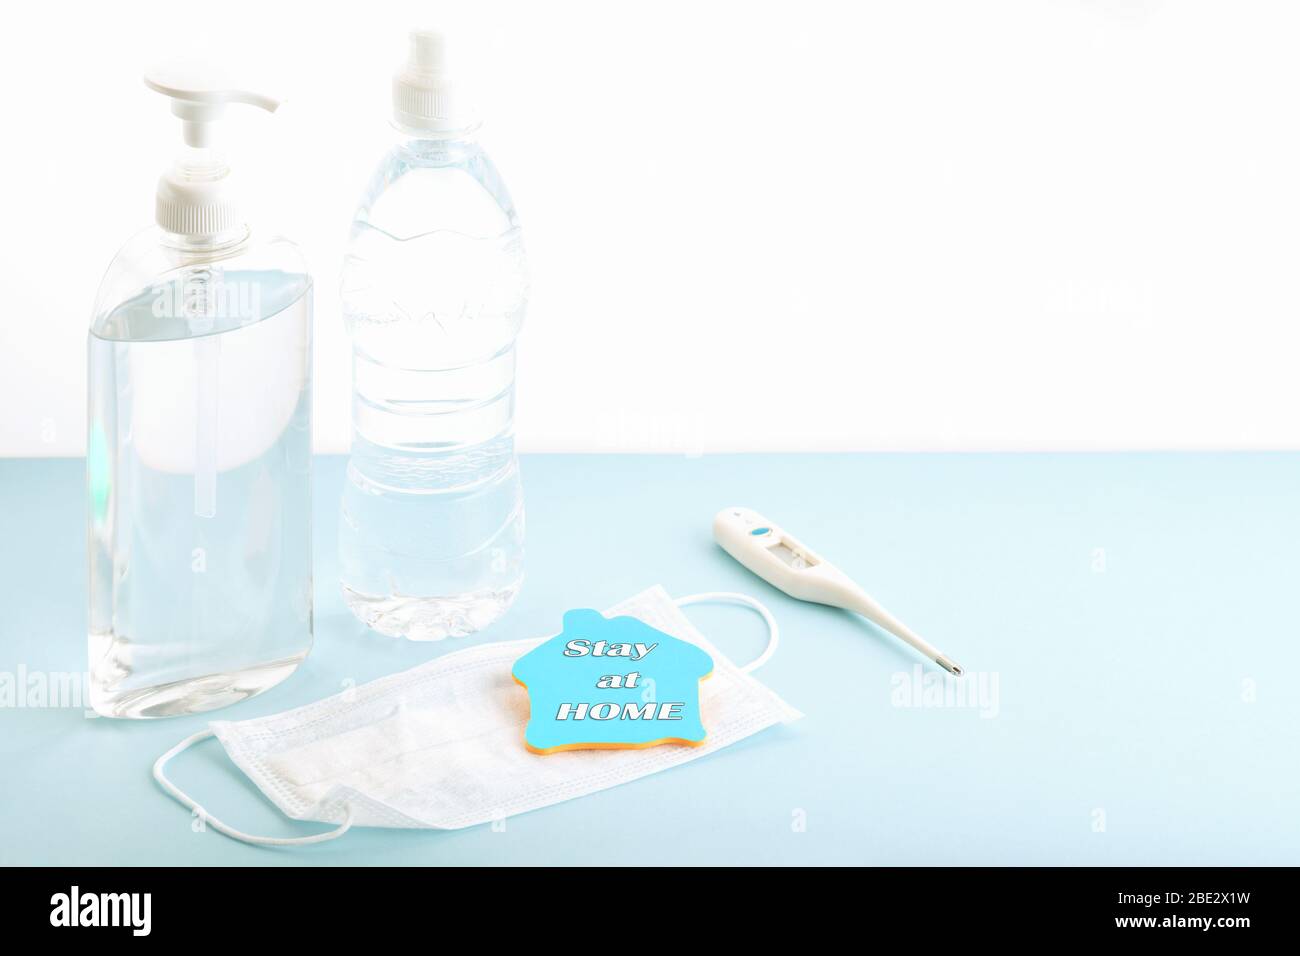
x=442 y=745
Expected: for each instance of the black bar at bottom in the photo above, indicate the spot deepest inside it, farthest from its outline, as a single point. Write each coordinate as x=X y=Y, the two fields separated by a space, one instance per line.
x=334 y=905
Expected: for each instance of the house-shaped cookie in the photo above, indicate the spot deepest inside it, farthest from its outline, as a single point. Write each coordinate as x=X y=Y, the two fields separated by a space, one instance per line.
x=612 y=683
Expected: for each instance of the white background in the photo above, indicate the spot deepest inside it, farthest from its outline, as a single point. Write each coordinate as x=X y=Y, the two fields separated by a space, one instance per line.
x=789 y=226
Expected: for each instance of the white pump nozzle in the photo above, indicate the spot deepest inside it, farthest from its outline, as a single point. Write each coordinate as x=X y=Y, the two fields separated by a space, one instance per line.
x=194 y=197
x=199 y=97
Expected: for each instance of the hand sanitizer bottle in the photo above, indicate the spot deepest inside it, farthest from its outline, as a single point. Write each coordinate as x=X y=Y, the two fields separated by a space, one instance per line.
x=434 y=286
x=199 y=444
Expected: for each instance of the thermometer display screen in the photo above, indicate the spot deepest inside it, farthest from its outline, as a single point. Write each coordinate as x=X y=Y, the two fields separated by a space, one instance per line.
x=792 y=556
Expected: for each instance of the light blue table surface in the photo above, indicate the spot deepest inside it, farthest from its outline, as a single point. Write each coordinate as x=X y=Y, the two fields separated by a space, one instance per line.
x=1138 y=611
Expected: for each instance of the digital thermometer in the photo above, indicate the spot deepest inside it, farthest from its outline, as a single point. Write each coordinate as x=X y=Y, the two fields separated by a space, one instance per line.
x=785 y=563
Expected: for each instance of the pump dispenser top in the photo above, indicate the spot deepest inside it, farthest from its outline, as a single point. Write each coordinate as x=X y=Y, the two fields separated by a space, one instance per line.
x=196 y=197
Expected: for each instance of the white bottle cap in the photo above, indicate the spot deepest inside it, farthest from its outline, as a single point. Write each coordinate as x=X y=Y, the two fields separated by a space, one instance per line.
x=195 y=197
x=424 y=97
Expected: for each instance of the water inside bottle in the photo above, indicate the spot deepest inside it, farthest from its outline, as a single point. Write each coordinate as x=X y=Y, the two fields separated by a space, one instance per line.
x=199 y=459
x=432 y=522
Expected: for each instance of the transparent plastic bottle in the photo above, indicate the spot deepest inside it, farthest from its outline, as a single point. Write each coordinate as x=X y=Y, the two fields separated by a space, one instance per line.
x=434 y=287
x=199 y=450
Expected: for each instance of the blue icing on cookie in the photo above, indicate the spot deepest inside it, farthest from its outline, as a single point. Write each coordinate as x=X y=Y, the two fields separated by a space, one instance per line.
x=612 y=683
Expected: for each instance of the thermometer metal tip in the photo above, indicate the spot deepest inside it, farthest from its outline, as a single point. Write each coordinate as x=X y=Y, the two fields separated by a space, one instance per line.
x=785 y=563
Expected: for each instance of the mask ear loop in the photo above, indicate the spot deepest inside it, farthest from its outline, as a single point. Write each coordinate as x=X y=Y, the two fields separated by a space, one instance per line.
x=220 y=827
x=732 y=597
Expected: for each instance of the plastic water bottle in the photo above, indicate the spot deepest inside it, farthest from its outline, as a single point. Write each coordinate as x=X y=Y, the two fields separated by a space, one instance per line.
x=434 y=287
